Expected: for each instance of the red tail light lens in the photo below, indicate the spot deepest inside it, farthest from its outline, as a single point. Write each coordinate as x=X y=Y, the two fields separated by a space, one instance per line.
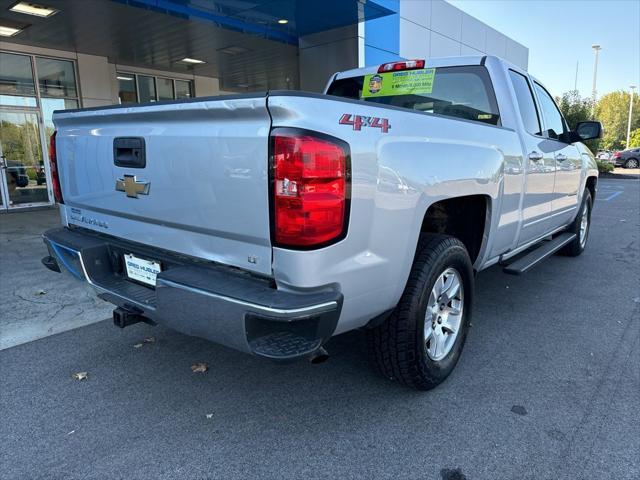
x=616 y=155
x=53 y=162
x=405 y=65
x=310 y=188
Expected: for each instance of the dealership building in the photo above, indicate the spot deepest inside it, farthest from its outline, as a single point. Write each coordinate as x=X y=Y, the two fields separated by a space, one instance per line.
x=61 y=54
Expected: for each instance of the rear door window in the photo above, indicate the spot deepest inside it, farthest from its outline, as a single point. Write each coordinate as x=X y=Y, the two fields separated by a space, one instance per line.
x=526 y=104
x=462 y=92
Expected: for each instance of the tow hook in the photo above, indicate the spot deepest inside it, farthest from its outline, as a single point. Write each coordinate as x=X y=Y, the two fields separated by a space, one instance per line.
x=123 y=317
x=319 y=356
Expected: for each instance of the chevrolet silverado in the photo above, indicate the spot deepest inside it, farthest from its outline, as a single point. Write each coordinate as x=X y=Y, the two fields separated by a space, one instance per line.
x=270 y=222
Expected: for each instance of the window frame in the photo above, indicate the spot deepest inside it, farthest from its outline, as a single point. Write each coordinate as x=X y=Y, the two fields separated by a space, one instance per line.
x=536 y=106
x=485 y=79
x=34 y=73
x=565 y=127
x=155 y=78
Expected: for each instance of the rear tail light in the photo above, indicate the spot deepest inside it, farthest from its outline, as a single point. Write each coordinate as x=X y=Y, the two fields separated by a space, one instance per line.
x=616 y=154
x=310 y=188
x=404 y=65
x=53 y=162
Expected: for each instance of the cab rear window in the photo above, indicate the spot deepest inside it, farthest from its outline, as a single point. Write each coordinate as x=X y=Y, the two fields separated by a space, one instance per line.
x=463 y=92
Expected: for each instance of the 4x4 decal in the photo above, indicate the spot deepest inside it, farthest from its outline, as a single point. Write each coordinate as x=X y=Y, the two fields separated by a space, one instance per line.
x=359 y=121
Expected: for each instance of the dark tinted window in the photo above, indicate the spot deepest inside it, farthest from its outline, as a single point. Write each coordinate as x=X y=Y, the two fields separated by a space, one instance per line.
x=526 y=104
x=464 y=92
x=553 y=120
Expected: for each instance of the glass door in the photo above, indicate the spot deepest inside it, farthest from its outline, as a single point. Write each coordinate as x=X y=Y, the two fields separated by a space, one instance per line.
x=23 y=177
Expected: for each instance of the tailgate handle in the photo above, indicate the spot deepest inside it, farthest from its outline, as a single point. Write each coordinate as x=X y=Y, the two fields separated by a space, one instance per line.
x=129 y=152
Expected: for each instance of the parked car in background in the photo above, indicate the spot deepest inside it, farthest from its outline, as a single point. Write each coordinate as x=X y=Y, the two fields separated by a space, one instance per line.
x=603 y=155
x=41 y=177
x=16 y=174
x=627 y=158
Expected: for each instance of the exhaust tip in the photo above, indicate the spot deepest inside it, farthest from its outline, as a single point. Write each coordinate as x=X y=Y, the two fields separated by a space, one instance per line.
x=319 y=356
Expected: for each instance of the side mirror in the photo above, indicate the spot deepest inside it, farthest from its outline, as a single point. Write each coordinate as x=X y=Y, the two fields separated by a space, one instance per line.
x=586 y=131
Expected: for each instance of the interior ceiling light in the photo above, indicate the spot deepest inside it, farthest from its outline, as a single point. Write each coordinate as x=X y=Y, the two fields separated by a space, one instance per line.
x=193 y=61
x=6 y=31
x=283 y=21
x=29 y=8
x=233 y=50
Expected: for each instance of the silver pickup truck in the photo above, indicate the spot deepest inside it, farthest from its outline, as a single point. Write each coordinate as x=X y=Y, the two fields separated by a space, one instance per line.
x=270 y=222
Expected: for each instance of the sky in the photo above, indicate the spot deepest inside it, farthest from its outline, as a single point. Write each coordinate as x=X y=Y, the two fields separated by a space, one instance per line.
x=560 y=33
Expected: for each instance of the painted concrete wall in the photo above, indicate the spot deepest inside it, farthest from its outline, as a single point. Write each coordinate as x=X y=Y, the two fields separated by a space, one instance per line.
x=324 y=53
x=418 y=29
x=434 y=28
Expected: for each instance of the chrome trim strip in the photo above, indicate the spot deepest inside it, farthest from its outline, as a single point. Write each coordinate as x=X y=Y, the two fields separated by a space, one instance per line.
x=310 y=310
x=313 y=309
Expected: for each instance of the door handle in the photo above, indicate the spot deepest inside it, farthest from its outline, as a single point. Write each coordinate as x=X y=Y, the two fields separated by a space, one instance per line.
x=561 y=157
x=535 y=156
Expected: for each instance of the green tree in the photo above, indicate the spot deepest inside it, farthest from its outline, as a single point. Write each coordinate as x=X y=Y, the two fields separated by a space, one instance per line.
x=575 y=108
x=634 y=140
x=613 y=111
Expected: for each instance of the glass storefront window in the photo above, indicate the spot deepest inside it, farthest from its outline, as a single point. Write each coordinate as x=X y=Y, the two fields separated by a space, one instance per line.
x=165 y=88
x=146 y=89
x=15 y=101
x=24 y=172
x=16 y=75
x=183 y=89
x=49 y=105
x=56 y=78
x=24 y=107
x=127 y=88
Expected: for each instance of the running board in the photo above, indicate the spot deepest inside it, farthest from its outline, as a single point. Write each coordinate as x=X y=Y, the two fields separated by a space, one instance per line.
x=546 y=249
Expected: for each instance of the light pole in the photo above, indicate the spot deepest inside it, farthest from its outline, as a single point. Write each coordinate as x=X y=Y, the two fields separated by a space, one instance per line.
x=596 y=48
x=632 y=87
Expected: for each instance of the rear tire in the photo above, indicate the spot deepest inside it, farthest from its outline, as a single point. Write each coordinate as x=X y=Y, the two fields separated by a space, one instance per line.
x=577 y=246
x=421 y=342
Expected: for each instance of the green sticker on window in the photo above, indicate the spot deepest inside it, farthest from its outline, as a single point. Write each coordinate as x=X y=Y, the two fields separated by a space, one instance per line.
x=398 y=83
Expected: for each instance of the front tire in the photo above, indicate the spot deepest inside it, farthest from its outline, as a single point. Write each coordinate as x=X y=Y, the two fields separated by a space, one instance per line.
x=421 y=342
x=581 y=226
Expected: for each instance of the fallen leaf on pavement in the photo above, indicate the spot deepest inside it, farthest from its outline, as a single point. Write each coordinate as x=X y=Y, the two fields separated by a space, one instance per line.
x=199 y=367
x=209 y=415
x=137 y=345
x=41 y=292
x=80 y=375
x=150 y=340
x=72 y=431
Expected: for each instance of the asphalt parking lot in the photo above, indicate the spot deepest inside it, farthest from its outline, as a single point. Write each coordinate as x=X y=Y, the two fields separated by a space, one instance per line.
x=548 y=387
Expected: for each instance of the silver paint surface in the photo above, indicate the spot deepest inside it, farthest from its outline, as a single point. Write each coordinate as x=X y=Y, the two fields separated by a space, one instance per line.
x=208 y=164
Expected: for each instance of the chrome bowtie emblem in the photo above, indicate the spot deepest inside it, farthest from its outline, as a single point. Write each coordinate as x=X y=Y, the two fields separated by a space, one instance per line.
x=132 y=187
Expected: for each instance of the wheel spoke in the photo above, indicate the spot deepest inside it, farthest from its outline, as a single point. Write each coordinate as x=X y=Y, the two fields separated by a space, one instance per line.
x=455 y=307
x=450 y=325
x=452 y=287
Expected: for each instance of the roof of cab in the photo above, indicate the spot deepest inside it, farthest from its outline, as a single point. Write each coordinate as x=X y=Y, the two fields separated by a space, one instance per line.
x=430 y=62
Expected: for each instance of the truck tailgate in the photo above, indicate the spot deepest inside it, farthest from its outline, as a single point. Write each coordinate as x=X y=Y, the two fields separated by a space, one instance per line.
x=203 y=190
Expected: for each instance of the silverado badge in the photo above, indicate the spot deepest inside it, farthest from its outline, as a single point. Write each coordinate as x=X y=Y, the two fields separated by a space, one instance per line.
x=132 y=187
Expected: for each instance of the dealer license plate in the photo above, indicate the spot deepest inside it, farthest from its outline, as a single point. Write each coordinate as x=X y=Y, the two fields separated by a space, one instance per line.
x=142 y=270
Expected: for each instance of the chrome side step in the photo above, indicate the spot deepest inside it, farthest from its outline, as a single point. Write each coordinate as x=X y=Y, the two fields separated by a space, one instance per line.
x=546 y=249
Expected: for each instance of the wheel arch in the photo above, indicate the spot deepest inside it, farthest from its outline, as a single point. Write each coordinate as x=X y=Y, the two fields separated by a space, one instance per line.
x=466 y=218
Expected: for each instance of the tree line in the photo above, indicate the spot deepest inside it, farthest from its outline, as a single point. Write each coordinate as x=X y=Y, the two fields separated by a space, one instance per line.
x=612 y=110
